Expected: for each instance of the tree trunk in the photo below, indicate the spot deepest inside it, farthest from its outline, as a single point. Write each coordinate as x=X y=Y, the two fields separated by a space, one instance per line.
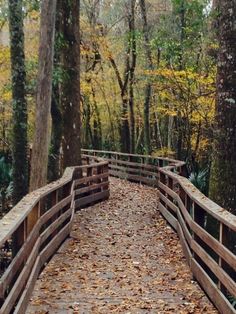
x=39 y=161
x=97 y=125
x=124 y=126
x=148 y=88
x=71 y=85
x=19 y=147
x=54 y=157
x=223 y=171
x=54 y=169
x=132 y=74
x=170 y=130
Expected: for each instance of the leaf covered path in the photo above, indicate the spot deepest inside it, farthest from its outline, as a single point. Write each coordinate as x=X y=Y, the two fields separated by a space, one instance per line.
x=122 y=258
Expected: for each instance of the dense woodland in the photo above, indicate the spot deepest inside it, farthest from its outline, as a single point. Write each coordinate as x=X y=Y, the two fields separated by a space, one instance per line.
x=140 y=76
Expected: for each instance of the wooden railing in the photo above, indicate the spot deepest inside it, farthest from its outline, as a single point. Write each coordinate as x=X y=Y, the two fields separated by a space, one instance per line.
x=35 y=228
x=210 y=254
x=137 y=168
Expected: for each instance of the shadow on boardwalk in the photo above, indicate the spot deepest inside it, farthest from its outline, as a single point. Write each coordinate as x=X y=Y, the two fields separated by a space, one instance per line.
x=122 y=258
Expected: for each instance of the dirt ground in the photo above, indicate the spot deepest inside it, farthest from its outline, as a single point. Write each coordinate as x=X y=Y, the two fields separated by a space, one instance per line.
x=122 y=258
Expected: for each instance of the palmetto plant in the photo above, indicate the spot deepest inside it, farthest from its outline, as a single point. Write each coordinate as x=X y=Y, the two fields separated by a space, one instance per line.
x=200 y=179
x=232 y=300
x=5 y=182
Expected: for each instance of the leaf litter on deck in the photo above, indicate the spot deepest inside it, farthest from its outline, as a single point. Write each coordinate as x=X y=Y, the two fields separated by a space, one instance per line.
x=122 y=258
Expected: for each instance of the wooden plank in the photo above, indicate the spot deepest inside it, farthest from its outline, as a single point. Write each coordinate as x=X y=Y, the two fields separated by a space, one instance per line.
x=184 y=212
x=12 y=220
x=168 y=203
x=186 y=232
x=84 y=201
x=215 y=268
x=211 y=289
x=55 y=225
x=90 y=179
x=13 y=268
x=133 y=170
x=168 y=216
x=16 y=290
x=184 y=244
x=17 y=215
x=208 y=205
x=32 y=218
x=54 y=244
x=221 y=250
x=132 y=164
x=55 y=209
x=170 y=160
x=91 y=188
x=214 y=244
x=168 y=190
x=135 y=178
x=25 y=297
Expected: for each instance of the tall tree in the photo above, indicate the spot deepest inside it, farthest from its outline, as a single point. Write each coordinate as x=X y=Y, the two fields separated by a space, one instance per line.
x=39 y=160
x=223 y=171
x=148 y=87
x=133 y=57
x=54 y=169
x=20 y=164
x=70 y=91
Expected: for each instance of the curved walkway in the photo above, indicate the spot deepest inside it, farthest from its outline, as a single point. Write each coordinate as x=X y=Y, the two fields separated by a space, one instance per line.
x=122 y=258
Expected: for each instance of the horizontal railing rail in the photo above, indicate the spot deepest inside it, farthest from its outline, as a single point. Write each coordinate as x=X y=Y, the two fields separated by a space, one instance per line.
x=35 y=228
x=207 y=232
x=137 y=168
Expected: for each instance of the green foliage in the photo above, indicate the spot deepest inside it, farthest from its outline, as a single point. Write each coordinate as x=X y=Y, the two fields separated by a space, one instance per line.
x=232 y=300
x=5 y=182
x=200 y=179
x=5 y=173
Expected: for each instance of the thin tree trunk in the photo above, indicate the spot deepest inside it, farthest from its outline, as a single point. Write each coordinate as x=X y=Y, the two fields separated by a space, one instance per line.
x=39 y=161
x=132 y=74
x=124 y=129
x=71 y=143
x=179 y=120
x=148 y=88
x=170 y=129
x=19 y=147
x=97 y=125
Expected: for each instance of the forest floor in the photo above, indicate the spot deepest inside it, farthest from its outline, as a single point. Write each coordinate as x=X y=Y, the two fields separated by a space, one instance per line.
x=122 y=258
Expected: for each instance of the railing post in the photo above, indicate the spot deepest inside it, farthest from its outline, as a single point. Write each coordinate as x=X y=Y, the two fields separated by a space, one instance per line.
x=162 y=180
x=223 y=239
x=32 y=218
x=199 y=218
x=19 y=237
x=106 y=179
x=54 y=202
x=89 y=171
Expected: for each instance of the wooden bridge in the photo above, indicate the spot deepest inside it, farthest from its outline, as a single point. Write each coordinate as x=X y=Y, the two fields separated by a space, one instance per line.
x=32 y=232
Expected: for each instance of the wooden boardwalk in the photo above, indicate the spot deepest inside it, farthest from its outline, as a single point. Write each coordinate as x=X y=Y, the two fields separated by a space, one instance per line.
x=122 y=258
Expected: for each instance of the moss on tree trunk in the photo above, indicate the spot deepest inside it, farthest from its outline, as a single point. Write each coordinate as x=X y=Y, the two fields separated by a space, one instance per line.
x=223 y=170
x=70 y=91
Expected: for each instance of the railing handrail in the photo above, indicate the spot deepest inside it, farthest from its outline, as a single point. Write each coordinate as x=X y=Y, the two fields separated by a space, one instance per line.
x=211 y=257
x=177 y=163
x=39 y=223
x=182 y=204
x=196 y=195
x=10 y=222
x=210 y=206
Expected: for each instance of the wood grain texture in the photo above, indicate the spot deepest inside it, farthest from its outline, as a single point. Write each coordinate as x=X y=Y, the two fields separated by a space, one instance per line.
x=49 y=229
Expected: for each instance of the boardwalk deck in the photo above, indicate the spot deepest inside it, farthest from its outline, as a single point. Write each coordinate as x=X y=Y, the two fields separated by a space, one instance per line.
x=122 y=258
